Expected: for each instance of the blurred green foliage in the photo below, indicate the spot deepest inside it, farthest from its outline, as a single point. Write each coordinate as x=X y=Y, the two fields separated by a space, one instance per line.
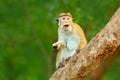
x=28 y=29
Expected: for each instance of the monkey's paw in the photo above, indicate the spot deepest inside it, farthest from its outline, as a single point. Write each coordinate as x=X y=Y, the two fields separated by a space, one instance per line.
x=78 y=50
x=68 y=59
x=55 y=46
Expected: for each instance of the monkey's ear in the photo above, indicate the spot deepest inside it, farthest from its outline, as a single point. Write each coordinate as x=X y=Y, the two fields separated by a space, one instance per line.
x=73 y=19
x=57 y=20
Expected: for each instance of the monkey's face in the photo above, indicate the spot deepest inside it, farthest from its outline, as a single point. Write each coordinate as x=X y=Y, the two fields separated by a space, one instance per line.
x=65 y=23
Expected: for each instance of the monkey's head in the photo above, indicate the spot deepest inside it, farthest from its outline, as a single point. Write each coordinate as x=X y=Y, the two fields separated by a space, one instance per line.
x=65 y=21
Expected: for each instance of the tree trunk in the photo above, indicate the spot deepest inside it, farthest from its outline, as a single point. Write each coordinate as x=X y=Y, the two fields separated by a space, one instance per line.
x=104 y=44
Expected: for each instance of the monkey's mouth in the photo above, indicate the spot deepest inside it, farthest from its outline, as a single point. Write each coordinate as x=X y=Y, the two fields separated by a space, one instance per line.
x=66 y=26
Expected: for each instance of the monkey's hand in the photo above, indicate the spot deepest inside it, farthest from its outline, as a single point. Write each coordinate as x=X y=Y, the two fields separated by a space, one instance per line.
x=58 y=45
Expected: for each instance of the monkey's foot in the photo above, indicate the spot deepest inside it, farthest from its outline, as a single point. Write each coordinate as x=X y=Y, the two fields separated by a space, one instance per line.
x=68 y=59
x=78 y=50
x=60 y=65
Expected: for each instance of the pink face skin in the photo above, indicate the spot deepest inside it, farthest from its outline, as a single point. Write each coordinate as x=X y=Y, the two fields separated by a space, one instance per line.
x=65 y=23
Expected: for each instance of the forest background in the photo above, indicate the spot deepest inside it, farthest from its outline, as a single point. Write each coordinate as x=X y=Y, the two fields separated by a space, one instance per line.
x=28 y=28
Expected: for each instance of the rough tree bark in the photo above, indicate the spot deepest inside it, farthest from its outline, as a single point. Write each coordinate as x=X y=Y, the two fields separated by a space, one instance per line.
x=99 y=73
x=104 y=44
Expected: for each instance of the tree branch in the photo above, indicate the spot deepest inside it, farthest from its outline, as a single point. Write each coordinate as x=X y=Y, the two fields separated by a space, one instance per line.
x=100 y=47
x=99 y=73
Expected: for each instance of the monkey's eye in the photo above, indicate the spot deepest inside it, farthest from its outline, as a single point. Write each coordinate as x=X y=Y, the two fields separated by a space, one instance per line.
x=63 y=18
x=57 y=20
x=68 y=18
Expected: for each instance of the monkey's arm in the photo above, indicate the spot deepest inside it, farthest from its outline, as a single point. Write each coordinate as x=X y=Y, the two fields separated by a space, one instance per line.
x=58 y=45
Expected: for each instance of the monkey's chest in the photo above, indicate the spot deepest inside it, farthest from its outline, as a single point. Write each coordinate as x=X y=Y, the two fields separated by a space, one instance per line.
x=72 y=42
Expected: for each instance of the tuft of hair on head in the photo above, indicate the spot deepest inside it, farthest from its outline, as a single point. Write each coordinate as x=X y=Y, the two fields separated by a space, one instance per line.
x=65 y=14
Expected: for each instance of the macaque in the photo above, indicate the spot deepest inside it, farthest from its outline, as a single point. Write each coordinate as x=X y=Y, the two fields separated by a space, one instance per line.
x=71 y=39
